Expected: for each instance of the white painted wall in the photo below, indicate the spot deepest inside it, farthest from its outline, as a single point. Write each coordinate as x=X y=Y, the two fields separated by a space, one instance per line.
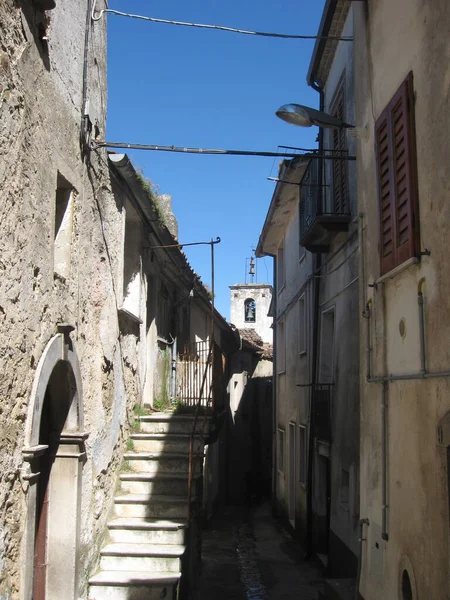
x=262 y=295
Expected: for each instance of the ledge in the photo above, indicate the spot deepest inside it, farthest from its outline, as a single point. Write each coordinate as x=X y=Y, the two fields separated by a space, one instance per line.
x=129 y=315
x=396 y=270
x=33 y=452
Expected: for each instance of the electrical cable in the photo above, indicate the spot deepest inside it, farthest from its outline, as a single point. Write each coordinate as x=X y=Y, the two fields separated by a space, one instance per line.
x=99 y=15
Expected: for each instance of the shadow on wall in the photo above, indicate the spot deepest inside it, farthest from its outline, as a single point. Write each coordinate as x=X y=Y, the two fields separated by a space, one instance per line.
x=250 y=444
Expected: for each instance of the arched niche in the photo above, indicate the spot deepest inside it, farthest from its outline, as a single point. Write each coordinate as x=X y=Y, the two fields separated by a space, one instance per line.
x=250 y=310
x=53 y=457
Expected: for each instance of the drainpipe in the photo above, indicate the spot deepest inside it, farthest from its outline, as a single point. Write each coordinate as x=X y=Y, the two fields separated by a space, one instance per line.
x=384 y=407
x=315 y=349
x=274 y=391
x=366 y=314
x=174 y=369
x=421 y=326
x=361 y=539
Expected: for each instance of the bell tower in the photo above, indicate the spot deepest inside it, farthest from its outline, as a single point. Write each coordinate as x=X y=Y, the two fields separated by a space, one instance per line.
x=249 y=308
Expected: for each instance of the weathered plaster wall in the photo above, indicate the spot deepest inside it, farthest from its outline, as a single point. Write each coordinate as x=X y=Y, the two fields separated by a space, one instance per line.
x=40 y=115
x=393 y=38
x=292 y=401
x=339 y=293
x=262 y=295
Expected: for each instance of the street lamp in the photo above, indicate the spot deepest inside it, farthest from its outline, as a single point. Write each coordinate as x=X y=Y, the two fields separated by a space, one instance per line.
x=304 y=116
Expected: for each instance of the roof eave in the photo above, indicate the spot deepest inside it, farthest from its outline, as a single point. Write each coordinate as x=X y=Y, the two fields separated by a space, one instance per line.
x=324 y=29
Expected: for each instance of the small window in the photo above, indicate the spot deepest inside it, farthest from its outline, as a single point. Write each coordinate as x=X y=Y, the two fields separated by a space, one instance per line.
x=326 y=364
x=63 y=227
x=281 y=347
x=302 y=454
x=250 y=310
x=281 y=267
x=280 y=449
x=302 y=325
x=395 y=149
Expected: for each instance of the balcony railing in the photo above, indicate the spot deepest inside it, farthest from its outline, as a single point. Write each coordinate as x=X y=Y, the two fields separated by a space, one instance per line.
x=322 y=411
x=324 y=211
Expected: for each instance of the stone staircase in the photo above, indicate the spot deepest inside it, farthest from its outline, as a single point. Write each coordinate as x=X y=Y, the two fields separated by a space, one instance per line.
x=148 y=532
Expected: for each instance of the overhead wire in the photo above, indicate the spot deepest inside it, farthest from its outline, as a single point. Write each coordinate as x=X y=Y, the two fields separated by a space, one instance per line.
x=99 y=15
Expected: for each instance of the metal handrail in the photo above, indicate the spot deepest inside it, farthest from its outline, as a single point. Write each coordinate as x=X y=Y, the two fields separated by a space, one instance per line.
x=194 y=427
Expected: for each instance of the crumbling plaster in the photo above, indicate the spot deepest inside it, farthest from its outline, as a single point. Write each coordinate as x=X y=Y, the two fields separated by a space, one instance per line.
x=40 y=115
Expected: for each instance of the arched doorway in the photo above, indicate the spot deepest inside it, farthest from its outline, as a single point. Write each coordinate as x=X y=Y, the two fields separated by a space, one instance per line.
x=53 y=462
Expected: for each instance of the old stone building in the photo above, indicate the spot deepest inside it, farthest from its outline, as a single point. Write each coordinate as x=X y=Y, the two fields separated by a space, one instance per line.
x=402 y=75
x=311 y=231
x=63 y=380
x=97 y=303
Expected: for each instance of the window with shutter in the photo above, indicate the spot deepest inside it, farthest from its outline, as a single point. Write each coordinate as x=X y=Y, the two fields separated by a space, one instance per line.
x=397 y=179
x=340 y=178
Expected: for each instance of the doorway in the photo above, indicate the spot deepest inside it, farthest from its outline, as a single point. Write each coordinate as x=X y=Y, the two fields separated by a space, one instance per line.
x=55 y=413
x=53 y=459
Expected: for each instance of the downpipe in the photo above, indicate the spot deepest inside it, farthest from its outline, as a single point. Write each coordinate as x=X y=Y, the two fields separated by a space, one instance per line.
x=384 y=380
x=361 y=539
x=384 y=534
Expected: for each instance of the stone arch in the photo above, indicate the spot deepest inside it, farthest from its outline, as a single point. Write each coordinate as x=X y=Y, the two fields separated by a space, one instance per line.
x=53 y=456
x=59 y=348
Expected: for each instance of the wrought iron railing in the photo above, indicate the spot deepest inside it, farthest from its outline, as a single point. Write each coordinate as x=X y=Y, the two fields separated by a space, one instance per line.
x=317 y=198
x=209 y=385
x=194 y=375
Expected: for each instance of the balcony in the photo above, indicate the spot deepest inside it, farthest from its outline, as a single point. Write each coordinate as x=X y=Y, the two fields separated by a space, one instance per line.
x=322 y=411
x=324 y=211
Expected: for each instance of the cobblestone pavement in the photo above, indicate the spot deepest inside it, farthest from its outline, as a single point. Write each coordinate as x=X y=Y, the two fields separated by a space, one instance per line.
x=251 y=557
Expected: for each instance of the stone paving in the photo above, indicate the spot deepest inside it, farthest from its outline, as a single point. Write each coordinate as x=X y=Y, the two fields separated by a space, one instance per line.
x=249 y=556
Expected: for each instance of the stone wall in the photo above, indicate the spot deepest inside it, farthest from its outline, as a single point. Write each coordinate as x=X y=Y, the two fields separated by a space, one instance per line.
x=40 y=116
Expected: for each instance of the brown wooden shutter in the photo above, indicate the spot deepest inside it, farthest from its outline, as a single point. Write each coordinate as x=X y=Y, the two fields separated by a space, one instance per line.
x=397 y=179
x=385 y=193
x=340 y=182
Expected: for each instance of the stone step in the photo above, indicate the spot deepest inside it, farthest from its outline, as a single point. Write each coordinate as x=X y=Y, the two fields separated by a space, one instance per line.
x=132 y=585
x=174 y=484
x=339 y=589
x=169 y=423
x=158 y=443
x=142 y=557
x=147 y=531
x=155 y=463
x=159 y=507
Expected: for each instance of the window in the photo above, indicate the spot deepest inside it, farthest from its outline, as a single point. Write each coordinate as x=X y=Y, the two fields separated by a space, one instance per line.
x=326 y=364
x=302 y=454
x=250 y=310
x=281 y=267
x=280 y=450
x=132 y=272
x=281 y=347
x=397 y=179
x=340 y=175
x=63 y=227
x=164 y=311
x=302 y=325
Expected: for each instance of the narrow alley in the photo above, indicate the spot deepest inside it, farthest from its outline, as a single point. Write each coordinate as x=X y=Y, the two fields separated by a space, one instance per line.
x=250 y=556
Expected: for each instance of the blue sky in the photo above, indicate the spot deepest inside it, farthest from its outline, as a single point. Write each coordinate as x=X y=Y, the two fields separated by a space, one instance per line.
x=182 y=86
